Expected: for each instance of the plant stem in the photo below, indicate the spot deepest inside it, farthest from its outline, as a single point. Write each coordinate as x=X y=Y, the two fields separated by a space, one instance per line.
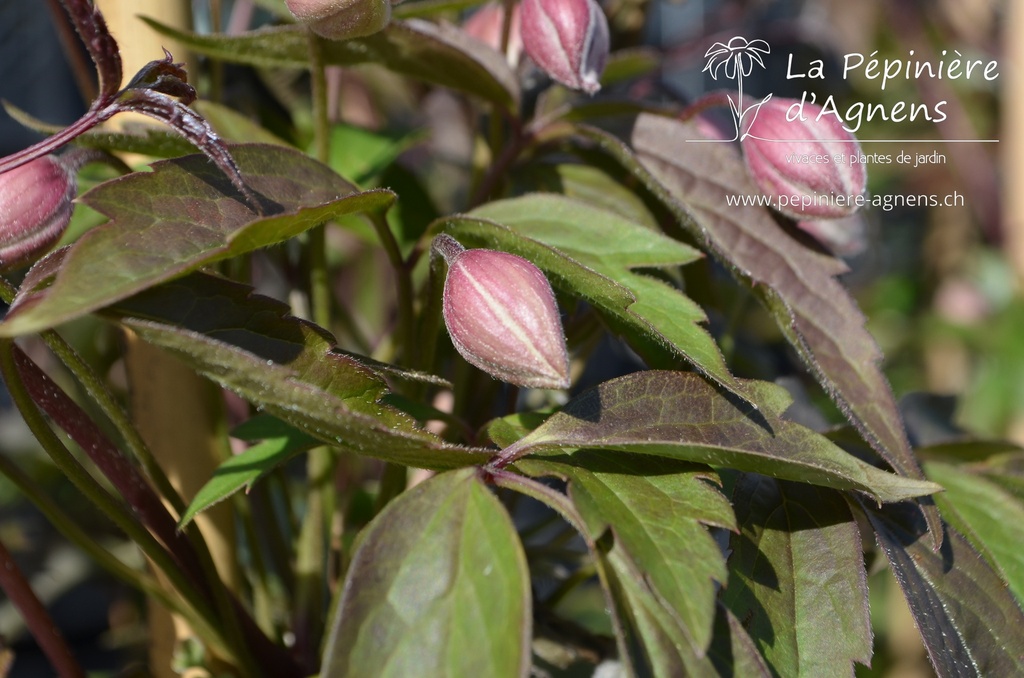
x=319 y=283
x=108 y=404
x=92 y=490
x=311 y=556
x=104 y=558
x=46 y=633
x=405 y=331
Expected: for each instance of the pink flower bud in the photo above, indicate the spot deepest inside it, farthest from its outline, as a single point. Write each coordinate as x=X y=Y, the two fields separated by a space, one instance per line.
x=804 y=164
x=486 y=25
x=500 y=312
x=568 y=39
x=35 y=208
x=342 y=19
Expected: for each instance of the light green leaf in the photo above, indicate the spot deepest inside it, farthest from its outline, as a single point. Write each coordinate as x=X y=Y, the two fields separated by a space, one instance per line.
x=989 y=516
x=243 y=470
x=591 y=253
x=659 y=510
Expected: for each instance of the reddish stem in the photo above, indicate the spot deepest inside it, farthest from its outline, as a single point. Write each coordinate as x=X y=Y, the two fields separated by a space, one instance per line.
x=19 y=591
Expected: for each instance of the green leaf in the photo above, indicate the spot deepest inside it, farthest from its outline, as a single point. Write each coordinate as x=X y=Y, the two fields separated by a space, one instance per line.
x=233 y=126
x=286 y=366
x=649 y=636
x=627 y=64
x=438 y=587
x=360 y=155
x=183 y=215
x=798 y=284
x=659 y=509
x=243 y=470
x=989 y=516
x=796 y=578
x=587 y=184
x=439 y=54
x=682 y=416
x=970 y=623
x=590 y=253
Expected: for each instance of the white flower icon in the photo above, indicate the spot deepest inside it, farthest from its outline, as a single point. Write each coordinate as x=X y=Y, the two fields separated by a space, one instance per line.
x=736 y=59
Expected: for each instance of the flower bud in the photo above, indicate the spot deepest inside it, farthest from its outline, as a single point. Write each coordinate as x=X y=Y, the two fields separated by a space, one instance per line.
x=804 y=164
x=342 y=19
x=500 y=312
x=35 y=208
x=568 y=39
x=486 y=25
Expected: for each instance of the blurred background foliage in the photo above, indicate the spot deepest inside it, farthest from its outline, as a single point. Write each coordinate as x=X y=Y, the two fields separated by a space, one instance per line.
x=940 y=286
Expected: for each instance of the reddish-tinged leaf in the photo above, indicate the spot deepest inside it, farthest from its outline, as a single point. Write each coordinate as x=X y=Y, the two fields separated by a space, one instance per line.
x=970 y=623
x=183 y=215
x=682 y=416
x=798 y=284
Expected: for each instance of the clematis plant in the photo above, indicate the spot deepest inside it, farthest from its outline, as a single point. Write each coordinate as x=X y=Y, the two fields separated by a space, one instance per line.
x=423 y=366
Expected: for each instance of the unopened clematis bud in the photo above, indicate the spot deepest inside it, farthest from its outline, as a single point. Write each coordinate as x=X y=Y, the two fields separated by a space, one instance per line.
x=486 y=25
x=342 y=19
x=568 y=39
x=500 y=312
x=806 y=164
x=35 y=208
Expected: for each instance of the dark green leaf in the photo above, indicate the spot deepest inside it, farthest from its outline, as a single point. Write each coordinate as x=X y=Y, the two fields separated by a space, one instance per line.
x=438 y=587
x=659 y=509
x=798 y=284
x=438 y=54
x=970 y=623
x=288 y=367
x=681 y=415
x=627 y=64
x=590 y=253
x=243 y=470
x=182 y=215
x=988 y=515
x=796 y=578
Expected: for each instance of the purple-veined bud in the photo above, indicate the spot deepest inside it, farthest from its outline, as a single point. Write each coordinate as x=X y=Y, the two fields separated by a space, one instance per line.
x=501 y=314
x=804 y=164
x=35 y=208
x=568 y=39
x=342 y=19
x=486 y=25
